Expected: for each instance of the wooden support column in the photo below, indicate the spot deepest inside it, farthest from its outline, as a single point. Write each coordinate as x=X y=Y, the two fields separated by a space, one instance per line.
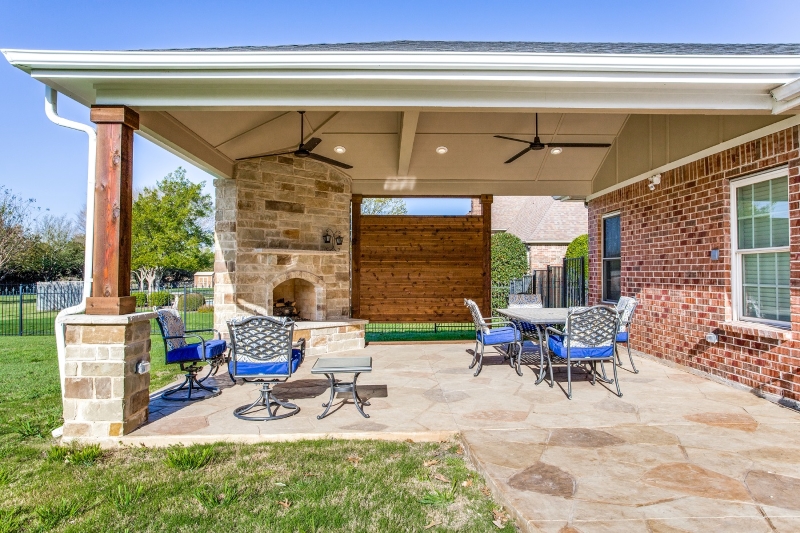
x=355 y=291
x=486 y=213
x=113 y=204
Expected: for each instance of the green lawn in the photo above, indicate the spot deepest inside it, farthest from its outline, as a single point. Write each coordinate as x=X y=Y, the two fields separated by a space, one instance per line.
x=321 y=486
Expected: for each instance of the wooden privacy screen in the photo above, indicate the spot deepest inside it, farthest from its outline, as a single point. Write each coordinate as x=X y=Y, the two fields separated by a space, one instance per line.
x=420 y=268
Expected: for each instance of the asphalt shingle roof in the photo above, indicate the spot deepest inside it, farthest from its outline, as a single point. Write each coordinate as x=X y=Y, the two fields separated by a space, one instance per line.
x=524 y=47
x=538 y=219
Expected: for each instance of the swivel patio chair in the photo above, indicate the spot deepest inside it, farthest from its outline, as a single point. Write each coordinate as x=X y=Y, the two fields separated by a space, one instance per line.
x=625 y=307
x=493 y=332
x=590 y=337
x=190 y=357
x=262 y=351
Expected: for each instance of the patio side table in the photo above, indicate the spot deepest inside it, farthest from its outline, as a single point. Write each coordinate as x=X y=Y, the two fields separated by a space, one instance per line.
x=330 y=366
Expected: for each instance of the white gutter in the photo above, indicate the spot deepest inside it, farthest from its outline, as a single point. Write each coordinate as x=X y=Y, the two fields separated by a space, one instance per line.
x=401 y=60
x=51 y=110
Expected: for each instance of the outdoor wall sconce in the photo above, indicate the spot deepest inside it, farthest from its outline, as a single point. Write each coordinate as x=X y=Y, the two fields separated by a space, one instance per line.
x=332 y=238
x=654 y=180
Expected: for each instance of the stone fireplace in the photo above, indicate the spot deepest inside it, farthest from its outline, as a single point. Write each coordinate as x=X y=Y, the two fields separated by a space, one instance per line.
x=270 y=222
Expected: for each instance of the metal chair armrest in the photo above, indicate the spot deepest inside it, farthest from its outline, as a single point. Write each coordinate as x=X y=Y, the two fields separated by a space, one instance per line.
x=301 y=345
x=216 y=332
x=549 y=329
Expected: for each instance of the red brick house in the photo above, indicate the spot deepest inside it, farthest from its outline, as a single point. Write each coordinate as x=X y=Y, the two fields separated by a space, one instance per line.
x=544 y=224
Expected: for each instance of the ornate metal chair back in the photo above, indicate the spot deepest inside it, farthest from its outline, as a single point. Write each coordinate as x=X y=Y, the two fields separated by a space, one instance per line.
x=262 y=339
x=170 y=323
x=625 y=307
x=525 y=301
x=591 y=327
x=477 y=317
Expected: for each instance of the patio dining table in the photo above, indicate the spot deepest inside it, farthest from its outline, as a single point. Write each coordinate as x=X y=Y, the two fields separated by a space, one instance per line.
x=540 y=318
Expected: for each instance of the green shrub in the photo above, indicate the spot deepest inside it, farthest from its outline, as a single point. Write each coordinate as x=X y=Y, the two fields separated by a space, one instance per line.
x=509 y=258
x=191 y=458
x=205 y=309
x=141 y=299
x=579 y=247
x=194 y=300
x=159 y=298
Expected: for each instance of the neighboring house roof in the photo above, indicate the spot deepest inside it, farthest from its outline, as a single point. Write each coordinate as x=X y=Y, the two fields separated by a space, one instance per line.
x=539 y=219
x=522 y=47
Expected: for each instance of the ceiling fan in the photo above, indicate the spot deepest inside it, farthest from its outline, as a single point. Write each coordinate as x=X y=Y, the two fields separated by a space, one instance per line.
x=305 y=149
x=537 y=144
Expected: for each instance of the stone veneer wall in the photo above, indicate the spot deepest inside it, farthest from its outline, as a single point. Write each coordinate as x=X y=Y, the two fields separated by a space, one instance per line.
x=269 y=224
x=667 y=236
x=103 y=395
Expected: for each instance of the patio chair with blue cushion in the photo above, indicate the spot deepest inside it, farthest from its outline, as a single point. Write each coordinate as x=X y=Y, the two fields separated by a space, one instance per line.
x=625 y=307
x=531 y=336
x=262 y=351
x=590 y=337
x=190 y=357
x=493 y=332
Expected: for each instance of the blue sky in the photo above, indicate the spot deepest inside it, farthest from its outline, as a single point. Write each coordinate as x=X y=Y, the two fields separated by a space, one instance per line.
x=43 y=161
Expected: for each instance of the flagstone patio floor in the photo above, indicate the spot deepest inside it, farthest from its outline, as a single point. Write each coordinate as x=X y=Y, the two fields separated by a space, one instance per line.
x=676 y=453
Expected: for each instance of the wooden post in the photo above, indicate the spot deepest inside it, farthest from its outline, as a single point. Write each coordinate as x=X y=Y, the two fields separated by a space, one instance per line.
x=486 y=213
x=113 y=203
x=355 y=294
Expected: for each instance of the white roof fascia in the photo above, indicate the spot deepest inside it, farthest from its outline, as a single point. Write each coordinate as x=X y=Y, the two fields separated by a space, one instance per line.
x=205 y=60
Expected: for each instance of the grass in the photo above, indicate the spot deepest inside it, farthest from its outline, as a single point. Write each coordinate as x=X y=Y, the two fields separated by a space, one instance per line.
x=319 y=486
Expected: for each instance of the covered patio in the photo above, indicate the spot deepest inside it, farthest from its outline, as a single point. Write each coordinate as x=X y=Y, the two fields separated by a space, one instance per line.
x=701 y=438
x=678 y=452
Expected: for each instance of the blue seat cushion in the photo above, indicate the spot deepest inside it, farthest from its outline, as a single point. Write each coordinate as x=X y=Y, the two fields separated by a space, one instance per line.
x=194 y=352
x=622 y=336
x=254 y=369
x=556 y=345
x=500 y=336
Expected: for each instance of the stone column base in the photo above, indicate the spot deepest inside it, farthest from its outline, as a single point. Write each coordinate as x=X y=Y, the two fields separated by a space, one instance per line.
x=104 y=397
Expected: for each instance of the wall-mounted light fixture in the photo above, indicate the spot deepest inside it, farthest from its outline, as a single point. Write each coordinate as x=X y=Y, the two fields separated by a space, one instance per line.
x=654 y=180
x=332 y=238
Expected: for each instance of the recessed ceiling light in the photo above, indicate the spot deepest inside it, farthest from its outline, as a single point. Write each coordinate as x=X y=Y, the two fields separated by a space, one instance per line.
x=441 y=150
x=556 y=150
x=339 y=149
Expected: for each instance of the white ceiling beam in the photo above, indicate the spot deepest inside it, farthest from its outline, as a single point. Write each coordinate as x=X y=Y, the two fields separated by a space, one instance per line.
x=408 y=131
x=787 y=97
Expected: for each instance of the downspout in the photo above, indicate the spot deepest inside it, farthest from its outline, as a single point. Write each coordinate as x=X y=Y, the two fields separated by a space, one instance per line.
x=51 y=110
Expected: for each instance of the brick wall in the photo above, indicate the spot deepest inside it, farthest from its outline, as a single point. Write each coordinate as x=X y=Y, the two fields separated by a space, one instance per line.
x=667 y=237
x=542 y=255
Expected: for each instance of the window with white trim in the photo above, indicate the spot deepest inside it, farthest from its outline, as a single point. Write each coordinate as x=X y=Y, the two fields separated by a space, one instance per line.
x=760 y=232
x=612 y=257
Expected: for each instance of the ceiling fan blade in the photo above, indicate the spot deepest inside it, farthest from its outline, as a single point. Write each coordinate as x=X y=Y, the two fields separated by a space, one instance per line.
x=329 y=161
x=525 y=151
x=512 y=139
x=312 y=143
x=578 y=145
x=265 y=155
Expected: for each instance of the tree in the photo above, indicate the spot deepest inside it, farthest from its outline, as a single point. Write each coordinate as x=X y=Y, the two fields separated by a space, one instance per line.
x=383 y=206
x=168 y=227
x=579 y=247
x=509 y=258
x=15 y=217
x=56 y=250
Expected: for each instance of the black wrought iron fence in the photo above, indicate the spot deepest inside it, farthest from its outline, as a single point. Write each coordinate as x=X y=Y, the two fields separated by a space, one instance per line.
x=559 y=285
x=31 y=309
